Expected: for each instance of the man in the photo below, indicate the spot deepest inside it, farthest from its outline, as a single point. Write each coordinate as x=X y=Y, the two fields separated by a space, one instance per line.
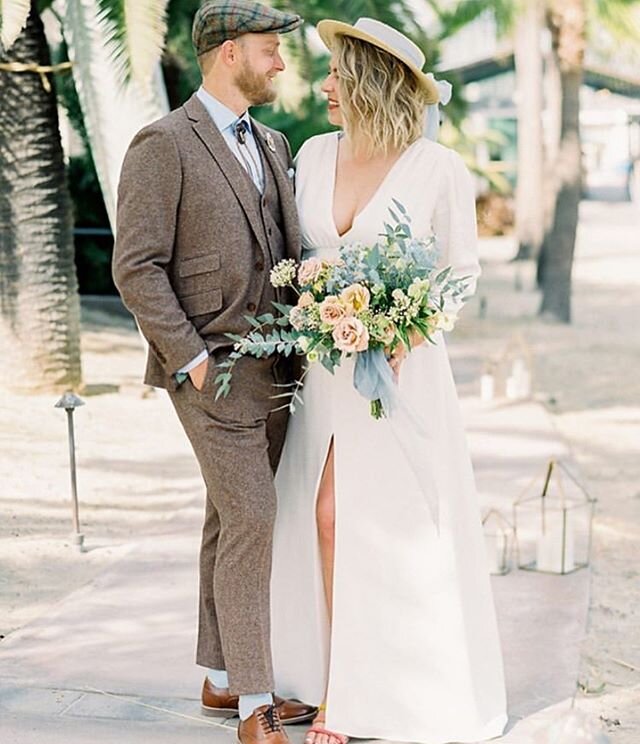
x=205 y=210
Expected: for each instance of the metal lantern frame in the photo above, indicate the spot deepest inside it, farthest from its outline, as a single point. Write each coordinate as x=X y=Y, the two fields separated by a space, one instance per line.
x=566 y=506
x=505 y=531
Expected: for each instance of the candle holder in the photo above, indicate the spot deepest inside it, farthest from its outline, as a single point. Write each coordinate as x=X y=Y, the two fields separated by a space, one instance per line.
x=488 y=381
x=515 y=370
x=498 y=539
x=553 y=528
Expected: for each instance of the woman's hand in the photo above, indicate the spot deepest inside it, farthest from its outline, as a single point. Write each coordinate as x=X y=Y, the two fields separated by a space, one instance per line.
x=396 y=357
x=399 y=353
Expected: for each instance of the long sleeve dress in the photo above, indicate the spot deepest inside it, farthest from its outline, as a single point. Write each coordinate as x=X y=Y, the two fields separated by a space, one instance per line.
x=412 y=652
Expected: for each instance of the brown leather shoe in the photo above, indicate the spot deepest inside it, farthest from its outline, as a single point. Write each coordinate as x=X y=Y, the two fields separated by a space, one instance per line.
x=216 y=701
x=263 y=727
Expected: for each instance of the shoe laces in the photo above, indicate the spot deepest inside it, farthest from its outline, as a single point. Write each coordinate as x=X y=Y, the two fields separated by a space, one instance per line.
x=270 y=720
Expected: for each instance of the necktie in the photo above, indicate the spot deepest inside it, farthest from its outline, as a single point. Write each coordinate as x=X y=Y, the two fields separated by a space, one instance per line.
x=240 y=130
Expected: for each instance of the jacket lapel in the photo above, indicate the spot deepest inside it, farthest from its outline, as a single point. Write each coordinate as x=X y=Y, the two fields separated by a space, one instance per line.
x=285 y=191
x=231 y=169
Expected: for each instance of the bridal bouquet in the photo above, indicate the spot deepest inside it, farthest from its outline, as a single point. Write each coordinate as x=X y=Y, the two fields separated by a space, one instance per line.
x=366 y=302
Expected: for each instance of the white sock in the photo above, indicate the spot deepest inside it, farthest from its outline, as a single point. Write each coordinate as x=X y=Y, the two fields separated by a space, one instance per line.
x=248 y=703
x=218 y=677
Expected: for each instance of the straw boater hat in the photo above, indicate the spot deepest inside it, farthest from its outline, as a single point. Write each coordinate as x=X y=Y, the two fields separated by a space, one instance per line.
x=388 y=39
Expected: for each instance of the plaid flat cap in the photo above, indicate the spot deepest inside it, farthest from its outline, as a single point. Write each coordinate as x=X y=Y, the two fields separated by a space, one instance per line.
x=219 y=20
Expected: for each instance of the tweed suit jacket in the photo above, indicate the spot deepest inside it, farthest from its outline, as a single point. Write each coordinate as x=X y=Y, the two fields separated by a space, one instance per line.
x=190 y=252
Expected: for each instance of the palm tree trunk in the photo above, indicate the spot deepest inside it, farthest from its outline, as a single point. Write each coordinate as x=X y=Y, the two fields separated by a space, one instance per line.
x=568 y=20
x=39 y=303
x=529 y=82
x=553 y=122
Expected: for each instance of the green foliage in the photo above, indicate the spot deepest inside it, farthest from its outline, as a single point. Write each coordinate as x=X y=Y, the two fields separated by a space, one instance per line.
x=181 y=71
x=621 y=18
x=93 y=253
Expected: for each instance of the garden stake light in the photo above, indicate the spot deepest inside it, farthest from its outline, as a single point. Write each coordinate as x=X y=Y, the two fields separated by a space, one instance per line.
x=70 y=402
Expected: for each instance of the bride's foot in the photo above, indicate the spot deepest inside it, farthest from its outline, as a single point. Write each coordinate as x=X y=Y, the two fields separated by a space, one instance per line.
x=318 y=734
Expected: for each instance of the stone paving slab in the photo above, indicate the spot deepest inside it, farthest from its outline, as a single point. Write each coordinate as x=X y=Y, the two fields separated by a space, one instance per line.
x=65 y=730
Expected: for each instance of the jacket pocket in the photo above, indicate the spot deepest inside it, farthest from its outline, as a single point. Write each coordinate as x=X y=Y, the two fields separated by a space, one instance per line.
x=199 y=265
x=202 y=303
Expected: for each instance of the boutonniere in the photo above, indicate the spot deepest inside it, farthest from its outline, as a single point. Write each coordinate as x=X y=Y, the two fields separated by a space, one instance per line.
x=270 y=143
x=291 y=174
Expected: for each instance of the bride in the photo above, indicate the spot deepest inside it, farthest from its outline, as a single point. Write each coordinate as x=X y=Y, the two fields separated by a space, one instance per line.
x=382 y=616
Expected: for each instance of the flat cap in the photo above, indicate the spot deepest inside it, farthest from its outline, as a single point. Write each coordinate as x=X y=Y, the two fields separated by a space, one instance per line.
x=220 y=20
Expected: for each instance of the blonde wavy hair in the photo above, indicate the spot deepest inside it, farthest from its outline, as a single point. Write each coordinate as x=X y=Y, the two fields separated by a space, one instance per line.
x=381 y=102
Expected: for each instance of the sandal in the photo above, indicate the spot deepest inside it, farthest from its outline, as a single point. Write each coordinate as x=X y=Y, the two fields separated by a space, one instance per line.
x=318 y=728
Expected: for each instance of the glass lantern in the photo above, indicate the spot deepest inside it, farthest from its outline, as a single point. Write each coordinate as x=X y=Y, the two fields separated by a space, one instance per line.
x=498 y=534
x=553 y=527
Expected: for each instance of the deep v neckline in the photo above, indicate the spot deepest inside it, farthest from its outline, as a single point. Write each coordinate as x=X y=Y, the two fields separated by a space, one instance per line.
x=372 y=198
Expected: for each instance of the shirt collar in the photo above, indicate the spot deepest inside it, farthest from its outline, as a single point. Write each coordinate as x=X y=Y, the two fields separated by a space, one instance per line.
x=223 y=117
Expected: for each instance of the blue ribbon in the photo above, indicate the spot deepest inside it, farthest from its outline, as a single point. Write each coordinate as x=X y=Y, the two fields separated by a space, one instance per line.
x=373 y=378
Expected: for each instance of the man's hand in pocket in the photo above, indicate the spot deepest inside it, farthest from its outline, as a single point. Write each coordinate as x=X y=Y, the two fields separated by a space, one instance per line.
x=198 y=374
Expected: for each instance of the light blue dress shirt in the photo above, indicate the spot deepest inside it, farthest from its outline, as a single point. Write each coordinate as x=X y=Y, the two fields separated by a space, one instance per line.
x=225 y=120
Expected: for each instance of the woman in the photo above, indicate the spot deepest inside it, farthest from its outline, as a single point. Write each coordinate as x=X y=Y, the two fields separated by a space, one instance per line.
x=380 y=616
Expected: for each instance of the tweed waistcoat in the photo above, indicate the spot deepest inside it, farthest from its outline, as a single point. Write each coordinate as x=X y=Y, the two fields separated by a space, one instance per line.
x=269 y=208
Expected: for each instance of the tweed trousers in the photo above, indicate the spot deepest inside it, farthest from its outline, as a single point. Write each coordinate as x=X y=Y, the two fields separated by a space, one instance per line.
x=237 y=442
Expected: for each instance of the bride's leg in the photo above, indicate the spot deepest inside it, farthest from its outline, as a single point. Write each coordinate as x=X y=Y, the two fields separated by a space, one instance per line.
x=325 y=517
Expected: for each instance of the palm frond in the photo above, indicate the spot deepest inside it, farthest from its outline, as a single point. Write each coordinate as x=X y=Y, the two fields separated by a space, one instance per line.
x=113 y=112
x=621 y=18
x=453 y=18
x=13 y=18
x=136 y=33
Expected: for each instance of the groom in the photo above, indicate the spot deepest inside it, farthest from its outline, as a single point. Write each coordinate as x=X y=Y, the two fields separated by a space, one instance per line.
x=205 y=210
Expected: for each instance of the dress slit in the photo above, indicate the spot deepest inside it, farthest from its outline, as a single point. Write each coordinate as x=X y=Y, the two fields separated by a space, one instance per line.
x=329 y=448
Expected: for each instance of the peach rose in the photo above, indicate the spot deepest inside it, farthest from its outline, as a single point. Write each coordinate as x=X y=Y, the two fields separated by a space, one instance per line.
x=356 y=296
x=351 y=335
x=332 y=311
x=309 y=271
x=305 y=299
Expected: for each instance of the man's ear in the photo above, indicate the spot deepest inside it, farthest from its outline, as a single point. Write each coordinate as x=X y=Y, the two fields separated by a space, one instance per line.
x=230 y=51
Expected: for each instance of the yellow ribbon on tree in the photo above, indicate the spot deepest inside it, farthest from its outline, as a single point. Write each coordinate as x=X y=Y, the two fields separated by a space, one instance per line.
x=42 y=70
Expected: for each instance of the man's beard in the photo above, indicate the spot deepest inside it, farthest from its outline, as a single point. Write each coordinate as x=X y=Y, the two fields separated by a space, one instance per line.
x=254 y=87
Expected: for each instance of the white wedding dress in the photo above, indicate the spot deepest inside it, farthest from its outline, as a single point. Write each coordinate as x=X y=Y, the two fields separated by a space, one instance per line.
x=414 y=649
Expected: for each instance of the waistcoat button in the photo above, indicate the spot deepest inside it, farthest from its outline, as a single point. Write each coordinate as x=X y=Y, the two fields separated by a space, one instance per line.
x=251 y=307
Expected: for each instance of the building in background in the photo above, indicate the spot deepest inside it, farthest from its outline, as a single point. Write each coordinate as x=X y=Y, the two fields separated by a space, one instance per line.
x=610 y=107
